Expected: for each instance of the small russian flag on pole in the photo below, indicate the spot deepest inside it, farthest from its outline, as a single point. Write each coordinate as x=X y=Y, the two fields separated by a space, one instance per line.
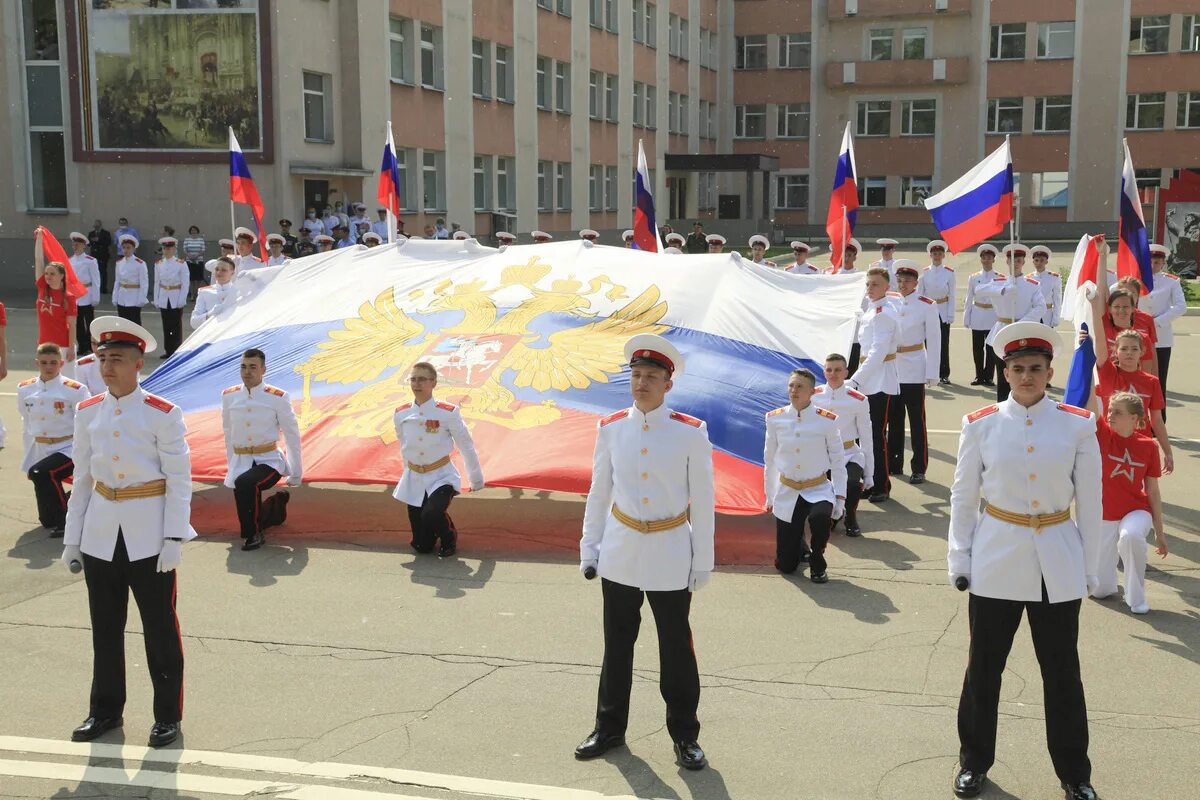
x=977 y=205
x=242 y=190
x=843 y=201
x=645 y=231
x=388 y=193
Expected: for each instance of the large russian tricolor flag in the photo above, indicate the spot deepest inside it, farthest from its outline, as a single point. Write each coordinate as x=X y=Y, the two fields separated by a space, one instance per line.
x=1133 y=247
x=388 y=193
x=843 y=201
x=977 y=205
x=528 y=341
x=242 y=190
x=645 y=230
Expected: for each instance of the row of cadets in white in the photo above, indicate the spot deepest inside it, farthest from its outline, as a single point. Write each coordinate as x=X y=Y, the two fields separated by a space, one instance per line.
x=878 y=331
x=131 y=282
x=427 y=433
x=1051 y=285
x=854 y=421
x=918 y=326
x=48 y=412
x=979 y=314
x=253 y=417
x=1017 y=298
x=811 y=438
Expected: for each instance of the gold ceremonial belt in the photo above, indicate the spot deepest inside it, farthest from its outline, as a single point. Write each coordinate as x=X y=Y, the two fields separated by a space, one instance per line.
x=801 y=485
x=1005 y=320
x=846 y=445
x=88 y=285
x=654 y=526
x=156 y=488
x=1049 y=305
x=941 y=299
x=887 y=358
x=423 y=468
x=131 y=286
x=51 y=439
x=982 y=305
x=911 y=348
x=255 y=449
x=170 y=288
x=1035 y=521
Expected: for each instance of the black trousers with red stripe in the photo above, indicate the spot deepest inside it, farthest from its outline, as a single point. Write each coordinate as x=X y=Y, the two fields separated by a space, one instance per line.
x=910 y=407
x=878 y=405
x=48 y=476
x=431 y=521
x=254 y=514
x=679 y=677
x=83 y=329
x=944 y=365
x=109 y=584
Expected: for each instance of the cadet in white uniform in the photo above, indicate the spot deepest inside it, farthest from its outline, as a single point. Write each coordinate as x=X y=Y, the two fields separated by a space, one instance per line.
x=854 y=421
x=275 y=256
x=676 y=240
x=324 y=243
x=876 y=377
x=87 y=269
x=648 y=533
x=887 y=259
x=1166 y=304
x=126 y=523
x=371 y=239
x=170 y=294
x=979 y=316
x=253 y=415
x=758 y=251
x=428 y=431
x=505 y=238
x=540 y=237
x=245 y=240
x=87 y=372
x=589 y=235
x=380 y=226
x=47 y=405
x=1021 y=463
x=804 y=476
x=131 y=282
x=918 y=356
x=716 y=242
x=1016 y=298
x=1049 y=282
x=802 y=266
x=220 y=294
x=939 y=284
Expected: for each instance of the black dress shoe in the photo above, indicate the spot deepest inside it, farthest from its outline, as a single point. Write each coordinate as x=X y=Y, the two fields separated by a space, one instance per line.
x=598 y=743
x=1080 y=791
x=852 y=529
x=95 y=726
x=820 y=577
x=689 y=755
x=57 y=532
x=944 y=381
x=977 y=382
x=163 y=733
x=447 y=550
x=917 y=477
x=990 y=384
x=878 y=497
x=805 y=556
x=895 y=470
x=968 y=783
x=254 y=542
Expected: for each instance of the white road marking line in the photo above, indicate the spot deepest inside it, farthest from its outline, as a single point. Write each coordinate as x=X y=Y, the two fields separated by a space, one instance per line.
x=293 y=767
x=233 y=787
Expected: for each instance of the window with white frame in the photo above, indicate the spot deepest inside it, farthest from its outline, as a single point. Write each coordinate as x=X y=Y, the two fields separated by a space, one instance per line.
x=673 y=34
x=404 y=157
x=872 y=192
x=1050 y=189
x=433 y=171
x=914 y=43
x=791 y=191
x=914 y=189
x=651 y=25
x=684 y=39
x=481 y=57
x=482 y=175
x=712 y=120
x=1147 y=178
x=543 y=83
x=1005 y=114
x=1187 y=110
x=562 y=87
x=399 y=44
x=672 y=112
x=707 y=194
x=714 y=50
x=918 y=117
x=42 y=67
x=1008 y=42
x=702 y=52
x=1056 y=39
x=874 y=118
x=751 y=52
x=562 y=185
x=750 y=121
x=610 y=16
x=546 y=4
x=595 y=87
x=431 y=56
x=639 y=103
x=610 y=98
x=564 y=7
x=318 y=112
x=504 y=82
x=506 y=190
x=684 y=110
x=596 y=13
x=879 y=44
x=702 y=119
x=1145 y=111
x=651 y=106
x=1052 y=114
x=793 y=121
x=610 y=188
x=1190 y=35
x=595 y=188
x=639 y=20
x=1149 y=34
x=545 y=186
x=795 y=50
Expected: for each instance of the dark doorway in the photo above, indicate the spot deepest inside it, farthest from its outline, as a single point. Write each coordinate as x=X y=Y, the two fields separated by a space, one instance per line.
x=316 y=195
x=729 y=206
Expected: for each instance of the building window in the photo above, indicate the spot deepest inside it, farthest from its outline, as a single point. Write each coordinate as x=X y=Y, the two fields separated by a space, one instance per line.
x=702 y=50
x=879 y=44
x=872 y=192
x=914 y=43
x=610 y=98
x=562 y=185
x=1052 y=114
x=1004 y=114
x=403 y=159
x=1056 y=39
x=596 y=13
x=318 y=125
x=1148 y=178
x=546 y=4
x=874 y=118
x=610 y=188
x=595 y=188
x=483 y=183
x=795 y=51
x=1149 y=34
x=708 y=191
x=1187 y=114
x=431 y=56
x=652 y=107
x=480 y=74
x=1008 y=42
x=504 y=89
x=639 y=20
x=751 y=52
x=506 y=190
x=545 y=186
x=639 y=103
x=712 y=120
x=399 y=36
x=750 y=122
x=683 y=39
x=651 y=25
x=610 y=16
x=672 y=112
x=918 y=117
x=433 y=171
x=1145 y=111
x=702 y=120
x=793 y=121
x=1190 y=42
x=1050 y=189
x=791 y=191
x=914 y=190
x=564 y=7
x=562 y=87
x=595 y=80
x=673 y=34
x=44 y=108
x=543 y=83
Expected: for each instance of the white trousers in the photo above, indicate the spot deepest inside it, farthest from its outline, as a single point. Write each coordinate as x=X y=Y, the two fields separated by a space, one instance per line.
x=1125 y=539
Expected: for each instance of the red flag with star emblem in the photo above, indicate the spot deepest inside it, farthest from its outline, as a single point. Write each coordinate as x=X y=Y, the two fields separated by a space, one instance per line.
x=54 y=251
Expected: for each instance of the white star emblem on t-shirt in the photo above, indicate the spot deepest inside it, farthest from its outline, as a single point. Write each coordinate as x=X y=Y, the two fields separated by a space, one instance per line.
x=1125 y=465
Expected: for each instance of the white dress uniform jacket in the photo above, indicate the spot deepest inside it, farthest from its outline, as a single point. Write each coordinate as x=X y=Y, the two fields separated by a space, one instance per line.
x=48 y=412
x=652 y=467
x=854 y=421
x=1017 y=298
x=940 y=286
x=802 y=445
x=211 y=299
x=131 y=283
x=248 y=262
x=1051 y=285
x=122 y=443
x=380 y=227
x=87 y=372
x=980 y=314
x=1026 y=461
x=879 y=331
x=87 y=269
x=170 y=283
x=428 y=433
x=1166 y=304
x=807 y=268
x=277 y=261
x=918 y=329
x=253 y=417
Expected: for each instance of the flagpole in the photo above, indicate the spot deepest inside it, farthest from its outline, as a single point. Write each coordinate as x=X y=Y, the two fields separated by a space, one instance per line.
x=1012 y=218
x=391 y=218
x=232 y=222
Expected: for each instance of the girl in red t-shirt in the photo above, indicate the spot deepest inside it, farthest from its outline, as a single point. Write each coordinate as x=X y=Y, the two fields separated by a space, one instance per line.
x=1125 y=376
x=1132 y=506
x=1117 y=311
x=55 y=304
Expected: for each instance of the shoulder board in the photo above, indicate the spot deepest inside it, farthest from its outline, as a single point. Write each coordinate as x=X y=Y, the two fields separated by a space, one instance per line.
x=70 y=384
x=1076 y=410
x=928 y=267
x=1031 y=279
x=404 y=407
x=998 y=275
x=135 y=258
x=1053 y=275
x=819 y=389
x=983 y=412
x=209 y=286
x=825 y=412
x=447 y=406
x=948 y=268
x=157 y=402
x=1170 y=275
x=91 y=401
x=273 y=390
x=614 y=417
x=894 y=294
x=925 y=299
x=684 y=418
x=88 y=359
x=233 y=389
x=776 y=411
x=26 y=382
x=878 y=309
x=856 y=395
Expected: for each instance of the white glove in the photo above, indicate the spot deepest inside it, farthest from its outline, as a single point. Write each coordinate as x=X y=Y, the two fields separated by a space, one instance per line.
x=584 y=566
x=698 y=581
x=170 y=555
x=293 y=481
x=839 y=508
x=868 y=484
x=1093 y=583
x=72 y=554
